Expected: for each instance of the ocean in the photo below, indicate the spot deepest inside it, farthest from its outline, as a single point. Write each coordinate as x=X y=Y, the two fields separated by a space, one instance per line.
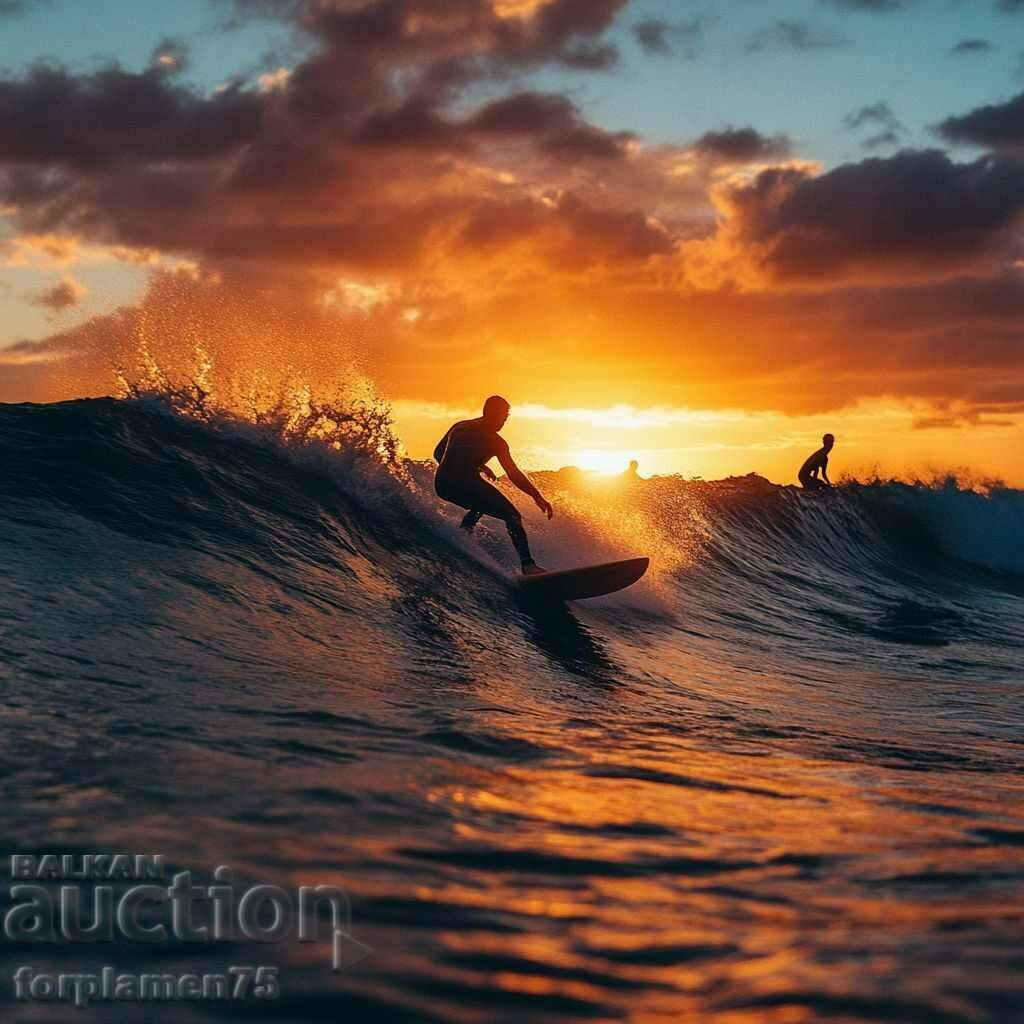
x=779 y=780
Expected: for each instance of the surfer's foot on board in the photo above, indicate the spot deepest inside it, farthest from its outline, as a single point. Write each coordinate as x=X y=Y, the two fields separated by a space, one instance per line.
x=533 y=569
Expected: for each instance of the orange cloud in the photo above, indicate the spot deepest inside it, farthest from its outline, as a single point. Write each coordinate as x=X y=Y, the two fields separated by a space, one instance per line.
x=471 y=240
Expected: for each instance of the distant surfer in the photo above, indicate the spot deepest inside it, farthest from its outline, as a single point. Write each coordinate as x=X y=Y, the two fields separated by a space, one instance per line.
x=815 y=464
x=462 y=456
x=632 y=473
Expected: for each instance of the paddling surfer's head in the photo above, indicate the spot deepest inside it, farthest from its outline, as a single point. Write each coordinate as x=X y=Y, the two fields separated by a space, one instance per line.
x=827 y=441
x=496 y=411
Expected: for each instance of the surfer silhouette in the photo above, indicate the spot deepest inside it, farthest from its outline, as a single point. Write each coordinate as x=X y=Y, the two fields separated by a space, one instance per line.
x=462 y=456
x=815 y=464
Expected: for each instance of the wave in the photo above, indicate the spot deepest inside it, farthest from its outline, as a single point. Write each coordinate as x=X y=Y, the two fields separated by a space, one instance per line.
x=980 y=527
x=310 y=493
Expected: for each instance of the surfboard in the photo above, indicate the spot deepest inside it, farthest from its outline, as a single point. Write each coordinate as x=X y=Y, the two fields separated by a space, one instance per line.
x=585 y=581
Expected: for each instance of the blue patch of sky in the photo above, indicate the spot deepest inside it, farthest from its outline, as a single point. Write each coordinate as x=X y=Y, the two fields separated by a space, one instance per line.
x=902 y=58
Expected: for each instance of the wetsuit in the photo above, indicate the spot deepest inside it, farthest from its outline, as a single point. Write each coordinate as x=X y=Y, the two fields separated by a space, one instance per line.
x=461 y=454
x=808 y=471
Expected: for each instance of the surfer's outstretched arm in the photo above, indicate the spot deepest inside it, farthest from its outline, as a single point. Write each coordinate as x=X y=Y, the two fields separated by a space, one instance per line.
x=523 y=482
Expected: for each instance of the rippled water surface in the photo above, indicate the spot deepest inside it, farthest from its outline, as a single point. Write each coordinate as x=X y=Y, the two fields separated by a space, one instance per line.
x=780 y=780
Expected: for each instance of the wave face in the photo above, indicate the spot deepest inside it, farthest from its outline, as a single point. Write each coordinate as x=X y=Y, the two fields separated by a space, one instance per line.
x=796 y=743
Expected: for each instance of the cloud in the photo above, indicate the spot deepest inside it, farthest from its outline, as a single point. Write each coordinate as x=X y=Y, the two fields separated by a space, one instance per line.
x=526 y=113
x=559 y=31
x=971 y=46
x=663 y=38
x=140 y=160
x=742 y=145
x=549 y=119
x=271 y=81
x=915 y=213
x=590 y=56
x=612 y=238
x=47 y=251
x=998 y=126
x=1009 y=6
x=68 y=292
x=957 y=420
x=44 y=250
x=170 y=56
x=552 y=120
x=51 y=117
x=402 y=176
x=877 y=115
x=652 y=35
x=873 y=114
x=790 y=34
x=415 y=124
x=796 y=350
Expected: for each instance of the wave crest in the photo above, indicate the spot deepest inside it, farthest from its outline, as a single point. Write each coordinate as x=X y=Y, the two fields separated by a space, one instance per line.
x=347 y=416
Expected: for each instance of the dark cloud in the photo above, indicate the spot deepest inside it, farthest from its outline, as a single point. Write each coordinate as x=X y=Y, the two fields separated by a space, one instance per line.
x=413 y=125
x=915 y=211
x=51 y=117
x=65 y=294
x=873 y=114
x=1009 y=6
x=664 y=38
x=652 y=35
x=139 y=159
x=590 y=56
x=997 y=126
x=968 y=46
x=553 y=120
x=587 y=142
x=526 y=113
x=285 y=167
x=878 y=115
x=790 y=34
x=742 y=145
x=563 y=31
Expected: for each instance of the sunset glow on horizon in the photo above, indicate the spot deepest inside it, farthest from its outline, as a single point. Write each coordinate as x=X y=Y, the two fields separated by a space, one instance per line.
x=699 y=241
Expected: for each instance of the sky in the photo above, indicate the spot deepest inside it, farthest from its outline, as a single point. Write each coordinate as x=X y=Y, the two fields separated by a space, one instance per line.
x=699 y=234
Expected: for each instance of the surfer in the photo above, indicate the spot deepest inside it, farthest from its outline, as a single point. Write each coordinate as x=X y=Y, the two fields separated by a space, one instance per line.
x=462 y=456
x=818 y=462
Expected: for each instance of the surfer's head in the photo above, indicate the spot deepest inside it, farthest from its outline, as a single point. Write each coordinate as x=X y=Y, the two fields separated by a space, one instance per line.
x=828 y=440
x=496 y=411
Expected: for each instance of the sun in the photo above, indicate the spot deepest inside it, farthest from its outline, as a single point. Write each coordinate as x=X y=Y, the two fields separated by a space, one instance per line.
x=598 y=460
